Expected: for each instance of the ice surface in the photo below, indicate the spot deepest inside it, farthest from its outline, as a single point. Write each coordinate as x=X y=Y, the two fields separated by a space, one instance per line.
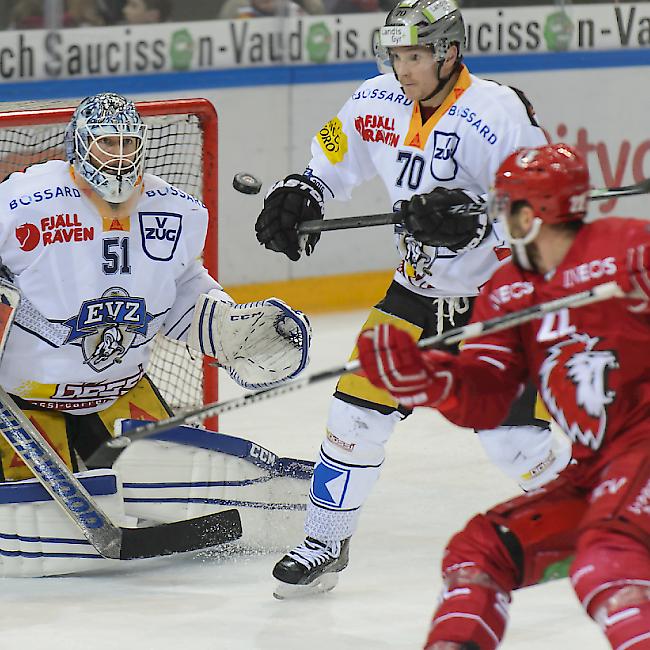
x=435 y=477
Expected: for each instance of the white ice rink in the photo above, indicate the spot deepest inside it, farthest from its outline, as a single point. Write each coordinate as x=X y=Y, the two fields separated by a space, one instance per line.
x=434 y=478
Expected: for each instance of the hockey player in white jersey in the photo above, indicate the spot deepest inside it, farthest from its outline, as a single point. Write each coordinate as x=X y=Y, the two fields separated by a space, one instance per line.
x=106 y=256
x=435 y=134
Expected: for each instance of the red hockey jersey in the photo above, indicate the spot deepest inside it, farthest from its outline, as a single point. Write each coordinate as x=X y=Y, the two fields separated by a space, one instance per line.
x=591 y=364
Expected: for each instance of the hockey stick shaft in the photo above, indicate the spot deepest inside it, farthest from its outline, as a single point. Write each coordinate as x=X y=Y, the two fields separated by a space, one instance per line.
x=642 y=187
x=347 y=223
x=393 y=218
x=109 y=540
x=473 y=330
x=57 y=479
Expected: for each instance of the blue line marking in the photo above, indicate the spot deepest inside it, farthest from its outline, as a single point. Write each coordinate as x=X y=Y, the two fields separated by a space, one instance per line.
x=198 y=484
x=43 y=554
x=45 y=540
x=310 y=74
x=225 y=502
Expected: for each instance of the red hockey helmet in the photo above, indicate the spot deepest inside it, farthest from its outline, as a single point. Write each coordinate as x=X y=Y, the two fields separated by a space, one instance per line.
x=553 y=179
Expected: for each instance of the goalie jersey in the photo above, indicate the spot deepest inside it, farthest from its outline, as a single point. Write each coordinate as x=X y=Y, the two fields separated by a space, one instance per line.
x=95 y=290
x=380 y=132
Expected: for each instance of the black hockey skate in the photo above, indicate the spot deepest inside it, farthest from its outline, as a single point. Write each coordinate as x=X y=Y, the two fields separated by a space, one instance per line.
x=310 y=568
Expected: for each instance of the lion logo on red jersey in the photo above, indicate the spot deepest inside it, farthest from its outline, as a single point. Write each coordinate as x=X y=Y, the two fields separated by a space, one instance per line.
x=574 y=387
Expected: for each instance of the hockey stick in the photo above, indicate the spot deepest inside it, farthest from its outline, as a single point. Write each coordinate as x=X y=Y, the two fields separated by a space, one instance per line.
x=473 y=330
x=642 y=187
x=394 y=218
x=110 y=540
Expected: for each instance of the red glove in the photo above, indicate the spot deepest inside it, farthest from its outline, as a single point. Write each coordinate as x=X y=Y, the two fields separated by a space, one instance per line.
x=638 y=272
x=391 y=360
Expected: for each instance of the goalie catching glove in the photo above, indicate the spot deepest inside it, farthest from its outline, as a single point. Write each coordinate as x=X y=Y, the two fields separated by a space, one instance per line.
x=287 y=204
x=449 y=218
x=391 y=360
x=259 y=344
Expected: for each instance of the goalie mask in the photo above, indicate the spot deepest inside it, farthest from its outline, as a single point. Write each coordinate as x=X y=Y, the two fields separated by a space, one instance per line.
x=553 y=180
x=435 y=24
x=105 y=142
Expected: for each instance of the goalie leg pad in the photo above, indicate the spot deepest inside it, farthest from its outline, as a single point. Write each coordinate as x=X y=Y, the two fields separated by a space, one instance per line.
x=260 y=344
x=188 y=472
x=55 y=426
x=38 y=539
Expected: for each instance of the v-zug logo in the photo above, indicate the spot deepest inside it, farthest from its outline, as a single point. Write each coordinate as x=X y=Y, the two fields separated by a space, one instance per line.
x=160 y=234
x=443 y=164
x=106 y=327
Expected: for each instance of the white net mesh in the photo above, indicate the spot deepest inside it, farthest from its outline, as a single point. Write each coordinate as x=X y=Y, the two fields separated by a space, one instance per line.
x=175 y=152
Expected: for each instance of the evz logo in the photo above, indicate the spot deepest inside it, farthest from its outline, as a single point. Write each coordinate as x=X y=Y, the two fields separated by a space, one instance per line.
x=443 y=165
x=160 y=234
x=574 y=378
x=106 y=327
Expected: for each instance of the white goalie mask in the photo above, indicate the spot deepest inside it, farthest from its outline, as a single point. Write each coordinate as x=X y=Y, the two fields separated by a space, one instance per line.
x=105 y=143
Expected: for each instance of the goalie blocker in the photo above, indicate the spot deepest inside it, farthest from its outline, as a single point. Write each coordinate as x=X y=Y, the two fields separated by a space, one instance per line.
x=184 y=473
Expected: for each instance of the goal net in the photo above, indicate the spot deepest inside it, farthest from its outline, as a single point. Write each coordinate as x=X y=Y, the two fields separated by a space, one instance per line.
x=182 y=149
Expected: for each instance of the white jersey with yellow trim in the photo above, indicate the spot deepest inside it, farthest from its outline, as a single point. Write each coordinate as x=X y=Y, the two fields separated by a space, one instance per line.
x=95 y=290
x=380 y=132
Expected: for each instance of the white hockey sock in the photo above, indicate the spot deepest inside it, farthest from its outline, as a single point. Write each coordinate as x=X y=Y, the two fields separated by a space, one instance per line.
x=330 y=525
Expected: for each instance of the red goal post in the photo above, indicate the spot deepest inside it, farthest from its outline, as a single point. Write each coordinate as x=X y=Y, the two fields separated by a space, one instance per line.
x=182 y=148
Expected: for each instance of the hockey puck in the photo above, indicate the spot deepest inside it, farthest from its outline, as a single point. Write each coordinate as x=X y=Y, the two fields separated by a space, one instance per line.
x=246 y=183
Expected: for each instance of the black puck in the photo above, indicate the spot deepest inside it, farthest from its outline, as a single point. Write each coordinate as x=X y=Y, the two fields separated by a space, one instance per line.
x=246 y=183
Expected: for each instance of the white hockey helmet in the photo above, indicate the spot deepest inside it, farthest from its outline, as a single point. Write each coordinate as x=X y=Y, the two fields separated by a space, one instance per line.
x=436 y=24
x=113 y=174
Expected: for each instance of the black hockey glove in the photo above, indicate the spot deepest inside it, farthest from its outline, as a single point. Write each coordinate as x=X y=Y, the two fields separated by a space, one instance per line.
x=288 y=203
x=449 y=218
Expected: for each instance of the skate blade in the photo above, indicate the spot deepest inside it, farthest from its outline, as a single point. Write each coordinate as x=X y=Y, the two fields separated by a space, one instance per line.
x=322 y=584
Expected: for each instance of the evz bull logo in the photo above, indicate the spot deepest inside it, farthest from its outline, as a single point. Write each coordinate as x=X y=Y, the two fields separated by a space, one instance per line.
x=106 y=327
x=574 y=378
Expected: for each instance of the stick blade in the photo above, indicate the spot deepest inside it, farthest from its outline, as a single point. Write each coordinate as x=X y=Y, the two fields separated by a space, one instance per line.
x=181 y=536
x=103 y=456
x=642 y=187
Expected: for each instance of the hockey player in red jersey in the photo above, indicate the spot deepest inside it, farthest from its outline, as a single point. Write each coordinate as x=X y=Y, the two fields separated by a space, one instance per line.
x=591 y=367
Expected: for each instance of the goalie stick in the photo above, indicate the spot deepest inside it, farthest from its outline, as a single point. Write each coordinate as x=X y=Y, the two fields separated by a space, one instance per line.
x=111 y=541
x=595 y=294
x=394 y=218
